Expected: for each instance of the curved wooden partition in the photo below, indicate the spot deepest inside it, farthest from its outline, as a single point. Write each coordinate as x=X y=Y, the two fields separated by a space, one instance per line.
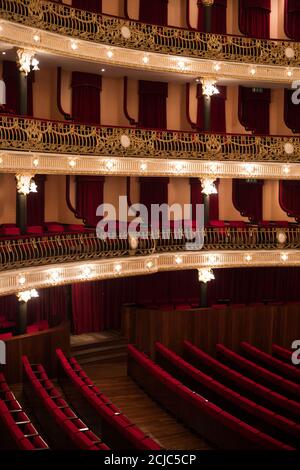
x=39 y=347
x=260 y=325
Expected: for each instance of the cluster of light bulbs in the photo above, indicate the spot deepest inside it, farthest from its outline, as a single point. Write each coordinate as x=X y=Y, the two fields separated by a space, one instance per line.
x=26 y=295
x=26 y=184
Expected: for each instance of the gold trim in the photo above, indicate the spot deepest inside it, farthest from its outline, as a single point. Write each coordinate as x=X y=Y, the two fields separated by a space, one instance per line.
x=67 y=273
x=61 y=28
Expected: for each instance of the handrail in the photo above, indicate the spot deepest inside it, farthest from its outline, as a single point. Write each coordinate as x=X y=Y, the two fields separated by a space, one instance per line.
x=40 y=135
x=28 y=251
x=105 y=29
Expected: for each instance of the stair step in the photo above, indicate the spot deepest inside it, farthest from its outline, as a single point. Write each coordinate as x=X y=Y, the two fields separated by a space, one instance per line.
x=106 y=350
x=114 y=357
x=98 y=344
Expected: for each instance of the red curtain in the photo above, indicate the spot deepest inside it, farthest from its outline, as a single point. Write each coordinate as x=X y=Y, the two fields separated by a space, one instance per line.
x=153 y=104
x=291 y=112
x=154 y=11
x=8 y=307
x=249 y=285
x=97 y=305
x=86 y=89
x=254 y=109
x=217 y=110
x=36 y=202
x=12 y=83
x=153 y=114
x=50 y=305
x=218 y=17
x=247 y=198
x=254 y=18
x=289 y=198
x=196 y=197
x=89 y=5
x=89 y=195
x=88 y=311
x=292 y=19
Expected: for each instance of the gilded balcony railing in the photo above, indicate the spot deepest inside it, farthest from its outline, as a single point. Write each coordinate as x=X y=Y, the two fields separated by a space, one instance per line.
x=49 y=249
x=36 y=135
x=114 y=31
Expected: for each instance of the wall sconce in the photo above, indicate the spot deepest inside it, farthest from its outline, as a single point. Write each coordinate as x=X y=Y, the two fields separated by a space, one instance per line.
x=26 y=184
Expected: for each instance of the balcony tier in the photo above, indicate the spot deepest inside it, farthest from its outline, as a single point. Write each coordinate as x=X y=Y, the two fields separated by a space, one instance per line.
x=39 y=262
x=43 y=146
x=164 y=44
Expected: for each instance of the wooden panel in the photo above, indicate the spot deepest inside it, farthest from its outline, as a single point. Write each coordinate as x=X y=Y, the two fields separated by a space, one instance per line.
x=260 y=325
x=39 y=347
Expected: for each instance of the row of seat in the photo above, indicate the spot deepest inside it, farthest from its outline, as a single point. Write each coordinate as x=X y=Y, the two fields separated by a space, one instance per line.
x=266 y=360
x=241 y=407
x=67 y=431
x=219 y=427
x=282 y=353
x=117 y=430
x=248 y=387
x=16 y=428
x=11 y=230
x=261 y=374
x=34 y=328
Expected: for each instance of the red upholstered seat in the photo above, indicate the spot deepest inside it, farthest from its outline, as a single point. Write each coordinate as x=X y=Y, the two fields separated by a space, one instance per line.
x=5 y=336
x=32 y=329
x=34 y=229
x=10 y=231
x=75 y=228
x=55 y=228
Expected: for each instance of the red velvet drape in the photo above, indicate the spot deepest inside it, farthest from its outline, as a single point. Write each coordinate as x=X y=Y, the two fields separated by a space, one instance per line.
x=153 y=104
x=12 y=83
x=89 y=195
x=247 y=198
x=217 y=110
x=292 y=19
x=254 y=109
x=153 y=114
x=291 y=112
x=254 y=18
x=50 y=305
x=36 y=202
x=154 y=11
x=248 y=285
x=89 y=5
x=8 y=307
x=218 y=17
x=196 y=197
x=88 y=307
x=86 y=89
x=97 y=305
x=289 y=197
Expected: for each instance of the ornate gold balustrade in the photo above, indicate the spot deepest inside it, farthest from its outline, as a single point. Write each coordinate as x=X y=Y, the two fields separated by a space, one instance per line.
x=45 y=250
x=114 y=31
x=36 y=135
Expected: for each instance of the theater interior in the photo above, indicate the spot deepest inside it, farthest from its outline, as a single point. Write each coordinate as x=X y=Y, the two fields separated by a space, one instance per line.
x=123 y=328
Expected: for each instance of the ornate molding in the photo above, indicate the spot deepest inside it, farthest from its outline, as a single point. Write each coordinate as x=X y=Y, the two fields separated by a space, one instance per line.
x=69 y=148
x=83 y=271
x=65 y=31
x=74 y=164
x=28 y=251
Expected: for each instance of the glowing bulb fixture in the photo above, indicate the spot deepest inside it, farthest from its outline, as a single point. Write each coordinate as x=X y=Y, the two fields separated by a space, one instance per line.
x=209 y=87
x=208 y=186
x=205 y=275
x=26 y=184
x=27 y=295
x=27 y=61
